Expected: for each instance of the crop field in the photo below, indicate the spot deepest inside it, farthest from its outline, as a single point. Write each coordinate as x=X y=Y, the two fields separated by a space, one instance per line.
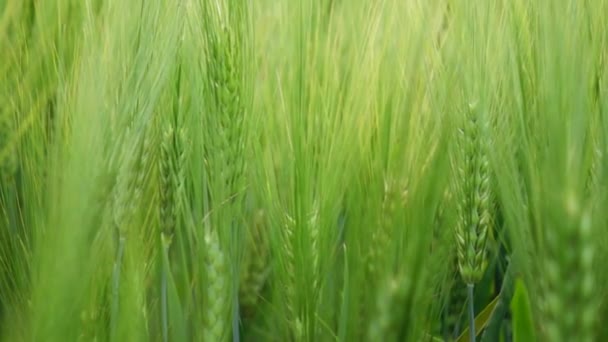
x=303 y=170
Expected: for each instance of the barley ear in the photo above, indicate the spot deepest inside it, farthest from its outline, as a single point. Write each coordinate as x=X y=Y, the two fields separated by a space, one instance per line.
x=289 y=266
x=173 y=153
x=127 y=197
x=130 y=184
x=255 y=266
x=474 y=211
x=172 y=179
x=167 y=185
x=216 y=322
x=569 y=305
x=392 y=306
x=392 y=198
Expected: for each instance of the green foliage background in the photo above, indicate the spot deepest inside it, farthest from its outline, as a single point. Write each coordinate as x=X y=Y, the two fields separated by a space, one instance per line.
x=290 y=170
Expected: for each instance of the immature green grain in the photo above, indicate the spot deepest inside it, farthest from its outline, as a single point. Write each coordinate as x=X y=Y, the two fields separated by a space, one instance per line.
x=381 y=236
x=389 y=322
x=88 y=320
x=455 y=307
x=172 y=178
x=216 y=325
x=393 y=197
x=595 y=170
x=255 y=266
x=569 y=304
x=8 y=157
x=224 y=134
x=289 y=282
x=8 y=167
x=442 y=208
x=225 y=73
x=289 y=267
x=314 y=228
x=474 y=209
x=127 y=198
x=130 y=184
x=168 y=184
x=442 y=218
x=474 y=205
x=456 y=298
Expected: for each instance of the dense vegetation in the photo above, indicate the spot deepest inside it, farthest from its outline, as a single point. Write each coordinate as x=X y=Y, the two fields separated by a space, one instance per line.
x=303 y=170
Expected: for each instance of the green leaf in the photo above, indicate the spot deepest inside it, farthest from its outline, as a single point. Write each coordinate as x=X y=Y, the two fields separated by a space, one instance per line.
x=481 y=320
x=523 y=326
x=342 y=329
x=492 y=330
x=432 y=338
x=176 y=320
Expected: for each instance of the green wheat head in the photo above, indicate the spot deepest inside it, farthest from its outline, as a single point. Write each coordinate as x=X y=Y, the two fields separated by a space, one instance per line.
x=475 y=211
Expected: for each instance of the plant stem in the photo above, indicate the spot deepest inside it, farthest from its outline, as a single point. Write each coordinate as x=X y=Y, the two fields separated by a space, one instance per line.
x=163 y=293
x=116 y=288
x=470 y=290
x=236 y=337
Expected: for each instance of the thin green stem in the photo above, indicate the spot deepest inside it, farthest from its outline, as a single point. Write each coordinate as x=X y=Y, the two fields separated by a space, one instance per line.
x=470 y=291
x=116 y=287
x=163 y=293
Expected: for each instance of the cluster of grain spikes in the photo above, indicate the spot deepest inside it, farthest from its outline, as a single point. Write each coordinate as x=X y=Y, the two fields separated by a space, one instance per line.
x=473 y=186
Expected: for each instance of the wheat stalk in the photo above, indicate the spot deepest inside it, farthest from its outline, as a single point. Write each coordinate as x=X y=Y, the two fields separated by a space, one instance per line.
x=474 y=209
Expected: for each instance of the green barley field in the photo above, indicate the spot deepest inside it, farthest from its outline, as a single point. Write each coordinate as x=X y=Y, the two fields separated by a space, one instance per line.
x=303 y=170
